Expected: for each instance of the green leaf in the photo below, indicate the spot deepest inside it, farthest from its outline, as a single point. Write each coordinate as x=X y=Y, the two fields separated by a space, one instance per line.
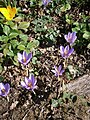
x=88 y=46
x=33 y=44
x=6 y=30
x=13 y=35
x=24 y=25
x=34 y=60
x=23 y=37
x=51 y=37
x=15 y=61
x=36 y=43
x=0 y=72
x=5 y=51
x=74 y=98
x=60 y=101
x=1 y=38
x=10 y=53
x=12 y=25
x=17 y=19
x=76 y=29
x=14 y=43
x=55 y=103
x=5 y=38
x=65 y=7
x=86 y=35
x=66 y=95
x=21 y=47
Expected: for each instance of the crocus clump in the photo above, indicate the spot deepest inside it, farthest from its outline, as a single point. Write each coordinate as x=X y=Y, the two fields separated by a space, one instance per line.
x=29 y=83
x=70 y=37
x=58 y=70
x=24 y=58
x=66 y=52
x=45 y=2
x=4 y=89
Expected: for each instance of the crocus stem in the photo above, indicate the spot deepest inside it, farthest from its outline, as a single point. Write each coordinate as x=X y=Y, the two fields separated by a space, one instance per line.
x=63 y=85
x=27 y=70
x=59 y=80
x=60 y=86
x=7 y=98
x=65 y=63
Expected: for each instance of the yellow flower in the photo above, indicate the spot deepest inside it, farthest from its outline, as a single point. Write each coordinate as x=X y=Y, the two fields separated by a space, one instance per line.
x=8 y=12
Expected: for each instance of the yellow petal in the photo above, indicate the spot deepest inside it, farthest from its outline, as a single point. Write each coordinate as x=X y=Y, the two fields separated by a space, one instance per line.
x=8 y=12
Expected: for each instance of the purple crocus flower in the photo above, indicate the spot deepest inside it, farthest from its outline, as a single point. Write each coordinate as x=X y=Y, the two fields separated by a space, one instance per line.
x=45 y=2
x=24 y=58
x=4 y=89
x=66 y=52
x=70 y=37
x=29 y=83
x=58 y=70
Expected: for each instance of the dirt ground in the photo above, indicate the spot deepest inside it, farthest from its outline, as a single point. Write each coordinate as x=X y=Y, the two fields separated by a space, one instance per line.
x=21 y=104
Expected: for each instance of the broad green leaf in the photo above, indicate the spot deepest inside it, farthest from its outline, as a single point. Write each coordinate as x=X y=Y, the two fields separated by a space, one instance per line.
x=23 y=37
x=17 y=19
x=10 y=53
x=86 y=35
x=5 y=51
x=14 y=43
x=33 y=44
x=36 y=43
x=30 y=46
x=12 y=25
x=5 y=38
x=6 y=30
x=76 y=29
x=13 y=35
x=21 y=47
x=15 y=61
x=23 y=25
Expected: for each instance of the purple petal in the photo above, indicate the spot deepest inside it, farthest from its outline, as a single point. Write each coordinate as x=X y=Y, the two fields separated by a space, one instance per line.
x=19 y=57
x=70 y=51
x=0 y=92
x=29 y=57
x=62 y=50
x=24 y=55
x=26 y=80
x=66 y=37
x=62 y=72
x=74 y=37
x=7 y=88
x=2 y=86
x=32 y=79
x=45 y=2
x=66 y=48
x=59 y=68
x=23 y=84
x=69 y=34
